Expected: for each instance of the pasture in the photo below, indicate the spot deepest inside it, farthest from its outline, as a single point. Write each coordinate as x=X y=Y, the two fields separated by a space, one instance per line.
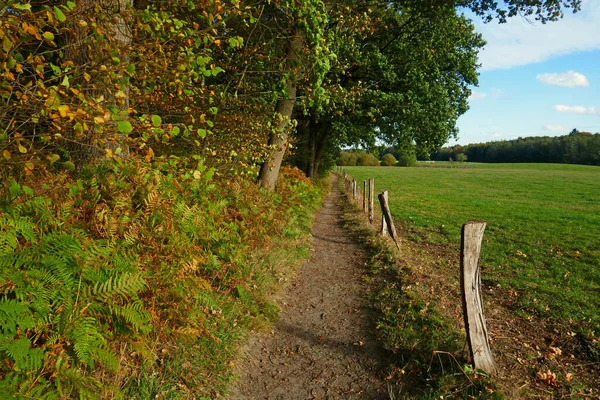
x=543 y=228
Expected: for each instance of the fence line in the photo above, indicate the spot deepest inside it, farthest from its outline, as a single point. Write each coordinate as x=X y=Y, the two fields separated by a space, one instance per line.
x=470 y=278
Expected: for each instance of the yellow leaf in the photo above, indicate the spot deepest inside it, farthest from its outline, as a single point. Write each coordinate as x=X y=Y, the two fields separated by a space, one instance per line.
x=87 y=77
x=149 y=155
x=29 y=167
x=98 y=120
x=6 y=154
x=63 y=110
x=22 y=149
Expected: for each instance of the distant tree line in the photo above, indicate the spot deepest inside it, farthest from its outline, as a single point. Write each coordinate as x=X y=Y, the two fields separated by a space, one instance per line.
x=575 y=148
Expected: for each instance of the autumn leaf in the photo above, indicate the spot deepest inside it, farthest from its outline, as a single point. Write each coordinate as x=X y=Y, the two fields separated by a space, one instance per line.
x=48 y=36
x=6 y=154
x=63 y=110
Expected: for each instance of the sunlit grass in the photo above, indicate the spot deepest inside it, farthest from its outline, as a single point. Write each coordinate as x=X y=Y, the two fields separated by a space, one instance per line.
x=542 y=237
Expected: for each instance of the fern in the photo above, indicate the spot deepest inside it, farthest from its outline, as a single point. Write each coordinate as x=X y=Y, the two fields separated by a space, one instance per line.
x=67 y=291
x=25 y=357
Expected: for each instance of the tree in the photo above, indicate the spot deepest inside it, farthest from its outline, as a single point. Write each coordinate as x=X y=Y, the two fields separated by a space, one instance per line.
x=373 y=93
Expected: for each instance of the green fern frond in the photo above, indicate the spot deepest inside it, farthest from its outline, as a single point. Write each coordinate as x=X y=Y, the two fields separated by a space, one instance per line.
x=25 y=357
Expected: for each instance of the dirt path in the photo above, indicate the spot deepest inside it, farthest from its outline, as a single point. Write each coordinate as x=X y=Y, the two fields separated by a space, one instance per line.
x=323 y=346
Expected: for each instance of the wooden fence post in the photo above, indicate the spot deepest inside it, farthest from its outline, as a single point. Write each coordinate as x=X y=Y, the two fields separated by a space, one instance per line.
x=385 y=210
x=365 y=197
x=384 y=229
x=470 y=282
x=371 y=199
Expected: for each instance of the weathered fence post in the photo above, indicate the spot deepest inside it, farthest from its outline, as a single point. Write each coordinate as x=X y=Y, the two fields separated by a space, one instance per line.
x=365 y=197
x=354 y=190
x=385 y=210
x=470 y=282
x=371 y=199
x=384 y=229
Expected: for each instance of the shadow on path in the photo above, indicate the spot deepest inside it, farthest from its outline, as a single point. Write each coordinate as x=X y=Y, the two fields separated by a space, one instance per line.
x=322 y=347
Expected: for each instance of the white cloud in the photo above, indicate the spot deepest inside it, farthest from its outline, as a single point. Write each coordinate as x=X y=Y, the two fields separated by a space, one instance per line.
x=554 y=128
x=522 y=42
x=494 y=93
x=567 y=79
x=496 y=135
x=576 y=109
x=475 y=95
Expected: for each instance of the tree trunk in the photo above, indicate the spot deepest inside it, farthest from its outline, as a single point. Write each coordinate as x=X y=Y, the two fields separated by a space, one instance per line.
x=278 y=140
x=319 y=132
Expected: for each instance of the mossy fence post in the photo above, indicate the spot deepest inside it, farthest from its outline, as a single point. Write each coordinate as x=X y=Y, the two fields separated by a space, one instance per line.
x=470 y=282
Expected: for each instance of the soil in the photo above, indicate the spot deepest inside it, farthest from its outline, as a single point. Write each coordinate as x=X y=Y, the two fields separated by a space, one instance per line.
x=323 y=345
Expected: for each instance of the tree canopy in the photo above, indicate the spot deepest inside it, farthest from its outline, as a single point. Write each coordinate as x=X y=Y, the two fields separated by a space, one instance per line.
x=97 y=79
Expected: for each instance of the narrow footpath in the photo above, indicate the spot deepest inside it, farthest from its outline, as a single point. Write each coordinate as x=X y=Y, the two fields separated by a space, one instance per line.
x=323 y=346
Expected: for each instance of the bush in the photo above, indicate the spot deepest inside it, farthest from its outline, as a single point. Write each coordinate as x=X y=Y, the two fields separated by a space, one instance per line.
x=347 y=159
x=367 y=160
x=461 y=157
x=407 y=159
x=388 y=160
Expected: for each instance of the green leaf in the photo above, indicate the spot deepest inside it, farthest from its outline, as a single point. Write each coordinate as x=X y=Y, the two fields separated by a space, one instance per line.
x=15 y=189
x=156 y=120
x=175 y=131
x=27 y=190
x=19 y=6
x=130 y=69
x=217 y=70
x=69 y=166
x=59 y=14
x=71 y=5
x=202 y=133
x=49 y=36
x=53 y=158
x=124 y=127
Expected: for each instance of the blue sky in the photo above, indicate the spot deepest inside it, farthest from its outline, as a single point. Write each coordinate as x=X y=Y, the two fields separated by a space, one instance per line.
x=536 y=79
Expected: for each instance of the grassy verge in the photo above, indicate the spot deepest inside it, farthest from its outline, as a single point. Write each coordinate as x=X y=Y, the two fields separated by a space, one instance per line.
x=139 y=280
x=540 y=261
x=429 y=359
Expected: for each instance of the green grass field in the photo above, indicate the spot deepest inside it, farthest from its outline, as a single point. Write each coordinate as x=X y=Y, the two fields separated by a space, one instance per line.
x=543 y=227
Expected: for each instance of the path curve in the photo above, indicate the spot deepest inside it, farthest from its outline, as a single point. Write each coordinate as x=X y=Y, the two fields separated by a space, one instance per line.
x=323 y=345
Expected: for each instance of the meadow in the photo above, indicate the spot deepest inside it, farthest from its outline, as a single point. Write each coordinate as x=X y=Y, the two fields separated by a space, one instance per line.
x=543 y=227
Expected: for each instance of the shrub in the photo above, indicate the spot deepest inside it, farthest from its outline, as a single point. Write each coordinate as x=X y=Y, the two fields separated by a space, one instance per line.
x=388 y=160
x=347 y=159
x=407 y=159
x=367 y=160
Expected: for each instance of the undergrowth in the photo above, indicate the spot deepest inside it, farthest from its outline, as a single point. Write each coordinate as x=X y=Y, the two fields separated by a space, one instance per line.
x=429 y=358
x=137 y=280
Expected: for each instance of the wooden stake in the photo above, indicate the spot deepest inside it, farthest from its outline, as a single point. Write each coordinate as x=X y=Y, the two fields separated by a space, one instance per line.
x=385 y=210
x=371 y=199
x=470 y=282
x=384 y=230
x=365 y=196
